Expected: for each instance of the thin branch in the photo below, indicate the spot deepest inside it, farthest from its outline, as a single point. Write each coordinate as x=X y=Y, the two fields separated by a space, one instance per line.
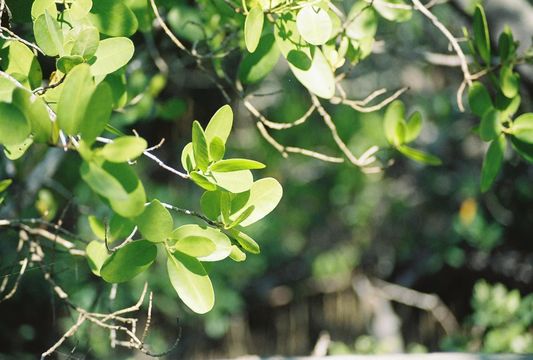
x=360 y=105
x=276 y=125
x=192 y=213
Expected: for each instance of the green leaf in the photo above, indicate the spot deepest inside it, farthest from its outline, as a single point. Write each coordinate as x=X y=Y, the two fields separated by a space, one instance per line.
x=509 y=81
x=195 y=246
x=129 y=261
x=522 y=128
x=14 y=127
x=220 y=124
x=155 y=223
x=39 y=7
x=86 y=44
x=79 y=9
x=245 y=241
x=419 y=156
x=191 y=282
x=256 y=66
x=479 y=99
x=237 y=254
x=394 y=115
x=202 y=181
x=111 y=55
x=26 y=68
x=14 y=152
x=492 y=162
x=506 y=47
x=490 y=127
x=97 y=113
x=6 y=89
x=124 y=149
x=524 y=149
x=134 y=204
x=508 y=107
x=299 y=59
x=481 y=34
x=242 y=216
x=361 y=21
x=253 y=26
x=119 y=228
x=199 y=146
x=225 y=206
x=399 y=134
x=78 y=88
x=113 y=18
x=101 y=182
x=96 y=256
x=236 y=165
x=68 y=62
x=265 y=194
x=210 y=204
x=414 y=126
x=34 y=110
x=392 y=10
x=234 y=181
x=314 y=24
x=4 y=184
x=216 y=149
x=48 y=35
x=219 y=239
x=187 y=158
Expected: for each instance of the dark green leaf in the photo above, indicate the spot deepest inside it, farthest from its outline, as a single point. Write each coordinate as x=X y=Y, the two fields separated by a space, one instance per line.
x=524 y=149
x=101 y=182
x=97 y=113
x=509 y=81
x=210 y=204
x=254 y=67
x=492 y=162
x=490 y=127
x=129 y=261
x=134 y=204
x=481 y=34
x=14 y=127
x=479 y=99
x=68 y=62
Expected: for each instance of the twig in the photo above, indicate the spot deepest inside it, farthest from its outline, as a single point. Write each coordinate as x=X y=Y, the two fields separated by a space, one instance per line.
x=276 y=125
x=360 y=105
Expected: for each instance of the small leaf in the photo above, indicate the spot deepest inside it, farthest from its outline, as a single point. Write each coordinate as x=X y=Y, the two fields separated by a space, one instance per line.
x=4 y=184
x=394 y=114
x=96 y=256
x=129 y=261
x=361 y=21
x=242 y=216
x=155 y=223
x=80 y=9
x=187 y=158
x=225 y=206
x=479 y=99
x=524 y=149
x=68 y=62
x=522 y=128
x=48 y=35
x=219 y=239
x=14 y=127
x=506 y=46
x=97 y=227
x=253 y=27
x=86 y=43
x=216 y=149
x=399 y=134
x=299 y=60
x=111 y=55
x=191 y=282
x=492 y=162
x=389 y=11
x=113 y=18
x=124 y=148
x=508 y=107
x=419 y=156
x=509 y=81
x=237 y=254
x=490 y=127
x=39 y=7
x=199 y=146
x=314 y=24
x=220 y=124
x=481 y=34
x=202 y=181
x=245 y=241
x=414 y=126
x=195 y=246
x=234 y=181
x=236 y=165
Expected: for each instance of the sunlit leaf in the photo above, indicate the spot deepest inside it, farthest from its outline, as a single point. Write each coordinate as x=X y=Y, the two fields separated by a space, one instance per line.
x=124 y=148
x=39 y=7
x=26 y=68
x=219 y=239
x=48 y=35
x=394 y=114
x=129 y=261
x=34 y=110
x=256 y=66
x=314 y=24
x=361 y=21
x=245 y=241
x=509 y=81
x=195 y=246
x=237 y=254
x=393 y=10
x=419 y=156
x=113 y=18
x=111 y=55
x=220 y=124
x=234 y=181
x=96 y=256
x=199 y=146
x=253 y=26
x=228 y=165
x=523 y=128
x=414 y=126
x=86 y=43
x=155 y=223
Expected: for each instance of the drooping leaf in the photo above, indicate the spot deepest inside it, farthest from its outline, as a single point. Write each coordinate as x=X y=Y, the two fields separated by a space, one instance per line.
x=253 y=27
x=34 y=110
x=14 y=127
x=155 y=223
x=48 y=35
x=129 y=261
x=113 y=18
x=479 y=99
x=414 y=126
x=314 y=24
x=96 y=256
x=124 y=148
x=524 y=149
x=86 y=43
x=256 y=66
x=228 y=165
x=419 y=156
x=4 y=184
x=111 y=55
x=219 y=239
x=523 y=128
x=187 y=158
x=492 y=162
x=490 y=126
x=220 y=124
x=481 y=34
x=191 y=282
x=245 y=241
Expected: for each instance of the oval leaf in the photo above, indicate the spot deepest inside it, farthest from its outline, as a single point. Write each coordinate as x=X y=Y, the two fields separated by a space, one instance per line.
x=481 y=34
x=96 y=256
x=314 y=24
x=14 y=127
x=523 y=128
x=129 y=261
x=195 y=246
x=254 y=67
x=155 y=223
x=220 y=124
x=124 y=148
x=48 y=35
x=113 y=18
x=236 y=165
x=253 y=26
x=111 y=55
x=479 y=99
x=219 y=239
x=492 y=162
x=199 y=146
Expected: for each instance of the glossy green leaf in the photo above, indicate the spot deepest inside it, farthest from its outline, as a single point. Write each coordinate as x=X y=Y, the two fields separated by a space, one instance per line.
x=34 y=110
x=16 y=151
x=14 y=127
x=97 y=113
x=111 y=55
x=394 y=115
x=68 y=62
x=236 y=165
x=361 y=21
x=524 y=149
x=245 y=241
x=509 y=81
x=506 y=46
x=134 y=204
x=490 y=126
x=101 y=182
x=314 y=24
x=265 y=194
x=113 y=18
x=419 y=156
x=393 y=10
x=39 y=7
x=479 y=99
x=187 y=158
x=96 y=256
x=155 y=223
x=48 y=35
x=195 y=246
x=191 y=282
x=86 y=43
x=219 y=239
x=124 y=148
x=414 y=126
x=220 y=124
x=508 y=107
x=234 y=181
x=481 y=34
x=26 y=69
x=237 y=254
x=253 y=26
x=129 y=261
x=256 y=66
x=199 y=146
x=80 y=9
x=522 y=128
x=202 y=181
x=216 y=149
x=492 y=162
x=299 y=60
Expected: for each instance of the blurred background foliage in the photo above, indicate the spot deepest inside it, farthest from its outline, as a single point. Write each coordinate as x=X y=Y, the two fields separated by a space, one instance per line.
x=424 y=228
